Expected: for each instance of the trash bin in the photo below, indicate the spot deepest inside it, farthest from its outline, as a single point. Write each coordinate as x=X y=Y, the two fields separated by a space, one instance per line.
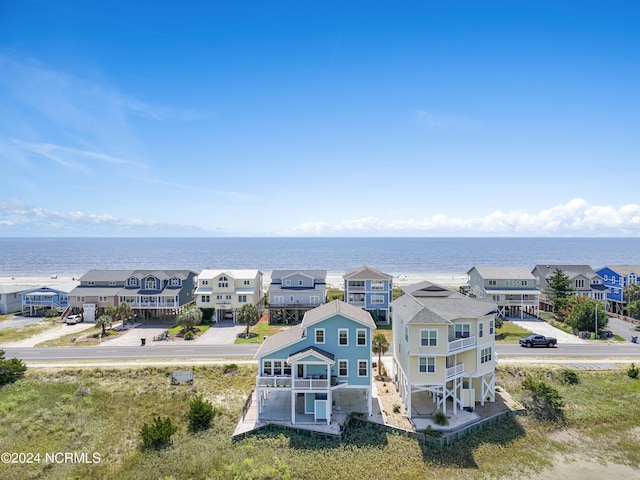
x=634 y=339
x=143 y=342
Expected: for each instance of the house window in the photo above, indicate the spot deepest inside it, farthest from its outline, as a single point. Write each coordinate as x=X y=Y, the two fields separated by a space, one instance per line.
x=112 y=284
x=485 y=355
x=150 y=283
x=223 y=282
x=205 y=283
x=492 y=283
x=205 y=298
x=133 y=282
x=462 y=330
x=174 y=282
x=361 y=337
x=491 y=331
x=80 y=299
x=377 y=299
x=314 y=299
x=218 y=297
x=343 y=368
x=227 y=297
x=406 y=333
x=579 y=283
x=278 y=300
x=427 y=365
x=356 y=284
x=319 y=335
x=363 y=368
x=508 y=283
x=102 y=299
x=267 y=368
x=246 y=282
x=242 y=298
x=377 y=285
x=299 y=283
x=525 y=283
x=287 y=283
x=496 y=298
x=91 y=284
x=291 y=298
x=343 y=336
x=606 y=277
x=428 y=338
x=481 y=330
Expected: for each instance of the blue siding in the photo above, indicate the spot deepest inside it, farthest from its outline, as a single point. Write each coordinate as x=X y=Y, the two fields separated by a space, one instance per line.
x=608 y=275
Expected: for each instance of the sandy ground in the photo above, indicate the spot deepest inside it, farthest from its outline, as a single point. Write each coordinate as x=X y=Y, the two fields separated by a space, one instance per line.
x=52 y=334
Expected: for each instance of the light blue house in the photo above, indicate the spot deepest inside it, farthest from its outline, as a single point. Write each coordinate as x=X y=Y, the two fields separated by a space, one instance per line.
x=321 y=365
x=616 y=278
x=293 y=292
x=368 y=288
x=36 y=301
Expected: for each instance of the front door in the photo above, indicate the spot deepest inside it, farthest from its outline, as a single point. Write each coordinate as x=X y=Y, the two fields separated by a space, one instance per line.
x=300 y=373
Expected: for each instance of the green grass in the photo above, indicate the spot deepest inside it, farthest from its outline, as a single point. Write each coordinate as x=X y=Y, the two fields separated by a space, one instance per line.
x=262 y=329
x=17 y=334
x=510 y=333
x=44 y=413
x=203 y=327
x=6 y=316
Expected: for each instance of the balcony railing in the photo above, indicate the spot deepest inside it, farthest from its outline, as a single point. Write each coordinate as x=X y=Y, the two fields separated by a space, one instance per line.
x=455 y=371
x=310 y=383
x=356 y=303
x=47 y=301
x=153 y=303
x=461 y=344
x=298 y=383
x=273 y=382
x=293 y=304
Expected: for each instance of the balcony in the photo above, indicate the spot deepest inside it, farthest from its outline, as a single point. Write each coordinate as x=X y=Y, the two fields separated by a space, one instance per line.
x=356 y=303
x=455 y=371
x=152 y=303
x=297 y=383
x=273 y=382
x=461 y=345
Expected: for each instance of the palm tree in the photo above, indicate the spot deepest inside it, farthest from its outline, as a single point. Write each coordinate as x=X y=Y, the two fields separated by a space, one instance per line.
x=248 y=315
x=379 y=345
x=189 y=318
x=103 y=321
x=124 y=312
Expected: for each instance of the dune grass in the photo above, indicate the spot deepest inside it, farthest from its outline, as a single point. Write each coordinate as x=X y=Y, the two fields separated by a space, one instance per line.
x=48 y=412
x=510 y=333
x=21 y=333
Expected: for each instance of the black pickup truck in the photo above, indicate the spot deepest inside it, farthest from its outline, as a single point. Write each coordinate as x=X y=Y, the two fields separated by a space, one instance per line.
x=538 y=341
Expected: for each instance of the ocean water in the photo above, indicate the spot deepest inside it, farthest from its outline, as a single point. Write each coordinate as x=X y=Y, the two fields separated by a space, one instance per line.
x=437 y=257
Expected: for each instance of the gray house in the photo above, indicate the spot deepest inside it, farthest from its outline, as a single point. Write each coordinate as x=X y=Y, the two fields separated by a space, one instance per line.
x=294 y=292
x=584 y=280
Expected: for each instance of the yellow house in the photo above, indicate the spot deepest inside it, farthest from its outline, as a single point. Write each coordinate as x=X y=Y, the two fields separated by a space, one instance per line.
x=226 y=291
x=443 y=348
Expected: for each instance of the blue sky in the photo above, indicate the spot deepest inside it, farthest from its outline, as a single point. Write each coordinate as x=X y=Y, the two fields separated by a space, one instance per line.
x=319 y=118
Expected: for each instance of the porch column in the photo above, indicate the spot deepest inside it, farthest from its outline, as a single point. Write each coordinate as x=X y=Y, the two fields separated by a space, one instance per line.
x=369 y=400
x=329 y=406
x=293 y=407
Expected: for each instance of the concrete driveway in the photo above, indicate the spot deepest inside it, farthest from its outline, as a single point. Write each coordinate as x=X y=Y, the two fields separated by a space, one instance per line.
x=625 y=329
x=540 y=327
x=221 y=333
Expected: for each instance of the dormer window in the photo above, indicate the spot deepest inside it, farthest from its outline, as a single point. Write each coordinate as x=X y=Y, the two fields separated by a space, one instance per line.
x=133 y=282
x=174 y=282
x=223 y=282
x=150 y=283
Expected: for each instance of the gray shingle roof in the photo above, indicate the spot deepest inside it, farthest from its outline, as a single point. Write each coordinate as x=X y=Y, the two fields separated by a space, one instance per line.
x=625 y=269
x=280 y=340
x=279 y=274
x=366 y=273
x=338 y=307
x=490 y=272
x=570 y=271
x=432 y=304
x=106 y=275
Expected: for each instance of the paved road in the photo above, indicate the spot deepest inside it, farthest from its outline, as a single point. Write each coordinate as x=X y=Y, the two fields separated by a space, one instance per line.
x=212 y=352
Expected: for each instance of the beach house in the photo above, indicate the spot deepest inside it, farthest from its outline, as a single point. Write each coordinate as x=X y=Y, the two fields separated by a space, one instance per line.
x=443 y=350
x=294 y=292
x=371 y=289
x=584 y=281
x=615 y=279
x=11 y=298
x=157 y=294
x=38 y=300
x=316 y=367
x=227 y=291
x=512 y=288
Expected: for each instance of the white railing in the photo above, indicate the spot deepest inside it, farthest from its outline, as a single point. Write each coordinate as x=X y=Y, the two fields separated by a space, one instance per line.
x=273 y=382
x=310 y=383
x=461 y=344
x=356 y=303
x=152 y=304
x=455 y=371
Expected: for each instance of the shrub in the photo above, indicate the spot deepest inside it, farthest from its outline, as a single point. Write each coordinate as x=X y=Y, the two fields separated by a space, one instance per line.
x=440 y=418
x=189 y=335
x=230 y=368
x=50 y=313
x=396 y=408
x=542 y=400
x=633 y=371
x=568 y=377
x=200 y=414
x=158 y=433
x=11 y=369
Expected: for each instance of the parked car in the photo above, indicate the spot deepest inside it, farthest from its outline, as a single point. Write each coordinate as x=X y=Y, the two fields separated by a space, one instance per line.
x=538 y=341
x=228 y=315
x=73 y=319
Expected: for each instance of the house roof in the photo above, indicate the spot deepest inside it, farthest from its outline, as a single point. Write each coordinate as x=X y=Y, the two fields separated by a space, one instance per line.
x=279 y=274
x=315 y=351
x=106 y=275
x=503 y=273
x=570 y=271
x=428 y=303
x=624 y=270
x=280 y=340
x=335 y=307
x=366 y=273
x=8 y=289
x=90 y=291
x=247 y=274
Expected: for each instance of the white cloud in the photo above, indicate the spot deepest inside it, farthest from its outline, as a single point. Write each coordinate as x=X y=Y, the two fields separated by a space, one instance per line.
x=574 y=218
